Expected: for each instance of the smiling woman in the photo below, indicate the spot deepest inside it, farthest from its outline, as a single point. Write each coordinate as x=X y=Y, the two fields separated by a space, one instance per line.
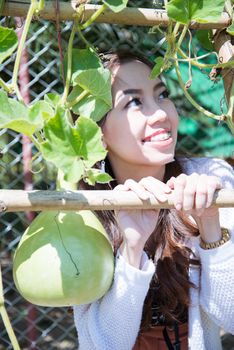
x=171 y=265
x=143 y=119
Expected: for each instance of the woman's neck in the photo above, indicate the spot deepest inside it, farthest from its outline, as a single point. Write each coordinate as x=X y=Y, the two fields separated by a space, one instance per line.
x=136 y=172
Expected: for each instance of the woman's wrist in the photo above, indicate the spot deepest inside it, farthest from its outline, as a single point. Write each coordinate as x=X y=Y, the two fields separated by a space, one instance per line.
x=209 y=228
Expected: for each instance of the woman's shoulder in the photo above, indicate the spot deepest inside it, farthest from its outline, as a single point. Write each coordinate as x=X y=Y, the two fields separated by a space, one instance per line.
x=207 y=165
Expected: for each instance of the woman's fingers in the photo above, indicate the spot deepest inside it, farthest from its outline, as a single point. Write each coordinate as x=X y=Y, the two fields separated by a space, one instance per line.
x=191 y=192
x=137 y=188
x=157 y=188
x=146 y=187
x=194 y=192
x=179 y=186
x=213 y=185
x=201 y=192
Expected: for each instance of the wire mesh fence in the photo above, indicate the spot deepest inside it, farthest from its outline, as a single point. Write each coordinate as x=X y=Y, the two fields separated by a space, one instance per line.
x=53 y=328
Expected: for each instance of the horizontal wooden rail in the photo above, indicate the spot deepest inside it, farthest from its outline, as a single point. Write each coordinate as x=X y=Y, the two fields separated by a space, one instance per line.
x=129 y=16
x=17 y=200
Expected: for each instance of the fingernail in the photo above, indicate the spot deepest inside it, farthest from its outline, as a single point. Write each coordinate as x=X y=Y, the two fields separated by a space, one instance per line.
x=167 y=189
x=163 y=198
x=144 y=196
x=178 y=206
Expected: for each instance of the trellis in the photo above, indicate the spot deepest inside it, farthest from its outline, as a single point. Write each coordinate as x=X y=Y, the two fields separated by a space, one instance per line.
x=60 y=11
x=128 y=16
x=71 y=200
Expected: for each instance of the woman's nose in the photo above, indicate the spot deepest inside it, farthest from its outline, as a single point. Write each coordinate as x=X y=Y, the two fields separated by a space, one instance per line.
x=158 y=115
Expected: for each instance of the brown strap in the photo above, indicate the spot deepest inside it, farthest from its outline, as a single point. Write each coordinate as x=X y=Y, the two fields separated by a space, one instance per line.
x=176 y=345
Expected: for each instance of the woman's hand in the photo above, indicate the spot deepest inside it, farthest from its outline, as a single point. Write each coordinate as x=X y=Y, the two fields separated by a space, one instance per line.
x=137 y=225
x=194 y=195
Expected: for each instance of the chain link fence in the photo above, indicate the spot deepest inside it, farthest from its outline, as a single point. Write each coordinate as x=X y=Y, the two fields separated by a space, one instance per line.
x=52 y=328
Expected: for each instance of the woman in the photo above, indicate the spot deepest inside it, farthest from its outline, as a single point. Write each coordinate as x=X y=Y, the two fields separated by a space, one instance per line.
x=170 y=290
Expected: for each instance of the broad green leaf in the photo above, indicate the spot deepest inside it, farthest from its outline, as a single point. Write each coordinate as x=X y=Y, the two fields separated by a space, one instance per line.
x=72 y=148
x=92 y=149
x=82 y=59
x=16 y=116
x=158 y=68
x=201 y=11
x=62 y=146
x=52 y=99
x=95 y=175
x=116 y=5
x=90 y=106
x=97 y=82
x=42 y=110
x=204 y=38
x=8 y=42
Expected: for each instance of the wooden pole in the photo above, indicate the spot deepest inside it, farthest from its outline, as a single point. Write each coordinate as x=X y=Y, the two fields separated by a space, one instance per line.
x=129 y=16
x=19 y=200
x=225 y=49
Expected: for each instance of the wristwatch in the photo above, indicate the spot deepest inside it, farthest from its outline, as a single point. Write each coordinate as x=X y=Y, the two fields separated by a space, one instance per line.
x=225 y=237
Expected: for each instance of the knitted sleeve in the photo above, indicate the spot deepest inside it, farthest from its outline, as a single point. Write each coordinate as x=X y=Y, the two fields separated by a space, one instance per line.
x=216 y=295
x=112 y=323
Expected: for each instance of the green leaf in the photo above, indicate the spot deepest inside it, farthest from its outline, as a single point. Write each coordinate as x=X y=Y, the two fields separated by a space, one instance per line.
x=158 y=68
x=62 y=146
x=90 y=106
x=82 y=59
x=92 y=149
x=8 y=42
x=42 y=110
x=52 y=99
x=95 y=175
x=16 y=116
x=97 y=82
x=230 y=29
x=204 y=38
x=116 y=5
x=201 y=11
x=72 y=148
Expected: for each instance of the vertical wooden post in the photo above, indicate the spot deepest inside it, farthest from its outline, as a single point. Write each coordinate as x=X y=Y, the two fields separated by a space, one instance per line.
x=224 y=47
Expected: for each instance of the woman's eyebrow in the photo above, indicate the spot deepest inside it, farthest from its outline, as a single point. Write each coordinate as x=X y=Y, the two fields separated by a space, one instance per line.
x=139 y=91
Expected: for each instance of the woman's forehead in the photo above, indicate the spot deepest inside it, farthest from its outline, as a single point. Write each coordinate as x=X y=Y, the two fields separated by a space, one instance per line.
x=133 y=74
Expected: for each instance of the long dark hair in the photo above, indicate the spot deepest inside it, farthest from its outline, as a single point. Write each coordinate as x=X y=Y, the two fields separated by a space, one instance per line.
x=170 y=283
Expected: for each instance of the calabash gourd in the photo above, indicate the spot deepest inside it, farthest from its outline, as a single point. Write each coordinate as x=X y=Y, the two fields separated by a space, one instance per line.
x=63 y=258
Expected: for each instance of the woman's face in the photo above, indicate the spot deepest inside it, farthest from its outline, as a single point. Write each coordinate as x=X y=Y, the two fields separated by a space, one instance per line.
x=141 y=129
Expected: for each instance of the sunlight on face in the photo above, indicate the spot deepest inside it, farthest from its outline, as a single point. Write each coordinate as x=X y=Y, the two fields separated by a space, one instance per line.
x=141 y=129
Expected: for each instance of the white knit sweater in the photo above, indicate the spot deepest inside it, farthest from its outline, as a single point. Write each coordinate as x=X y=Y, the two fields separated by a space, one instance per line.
x=112 y=323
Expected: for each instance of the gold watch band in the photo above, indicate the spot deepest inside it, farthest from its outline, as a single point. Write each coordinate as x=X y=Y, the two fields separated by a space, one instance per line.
x=225 y=237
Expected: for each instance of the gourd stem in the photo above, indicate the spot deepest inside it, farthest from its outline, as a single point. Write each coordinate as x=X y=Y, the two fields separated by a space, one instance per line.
x=30 y=14
x=4 y=86
x=192 y=101
x=69 y=64
x=94 y=17
x=77 y=99
x=5 y=318
x=194 y=62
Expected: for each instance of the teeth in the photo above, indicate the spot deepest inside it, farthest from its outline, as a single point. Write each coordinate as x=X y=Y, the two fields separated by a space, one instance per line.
x=160 y=137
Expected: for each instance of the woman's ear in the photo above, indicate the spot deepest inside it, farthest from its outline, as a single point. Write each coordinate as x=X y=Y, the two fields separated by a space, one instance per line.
x=104 y=142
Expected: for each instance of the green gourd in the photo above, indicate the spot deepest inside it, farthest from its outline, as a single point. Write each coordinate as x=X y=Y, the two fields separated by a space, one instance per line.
x=64 y=258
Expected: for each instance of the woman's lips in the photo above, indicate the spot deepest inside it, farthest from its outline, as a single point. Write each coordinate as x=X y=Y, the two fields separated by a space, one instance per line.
x=158 y=136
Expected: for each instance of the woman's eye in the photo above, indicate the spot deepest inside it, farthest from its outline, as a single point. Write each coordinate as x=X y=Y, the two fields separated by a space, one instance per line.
x=163 y=95
x=133 y=103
